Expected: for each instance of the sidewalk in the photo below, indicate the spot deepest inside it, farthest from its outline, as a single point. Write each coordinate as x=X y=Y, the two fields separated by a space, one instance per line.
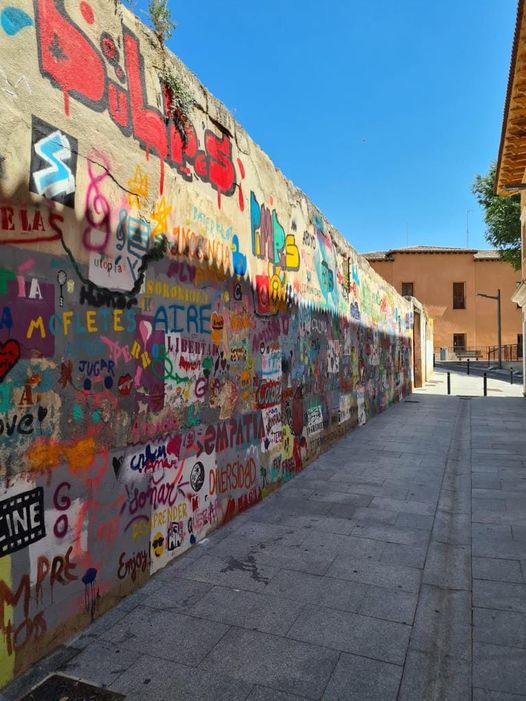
x=394 y=567
x=472 y=385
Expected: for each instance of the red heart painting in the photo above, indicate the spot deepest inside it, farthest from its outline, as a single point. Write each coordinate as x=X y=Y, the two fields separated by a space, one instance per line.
x=9 y=355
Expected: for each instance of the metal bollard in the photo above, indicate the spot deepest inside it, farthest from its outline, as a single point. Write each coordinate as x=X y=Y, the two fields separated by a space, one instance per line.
x=468 y=365
x=511 y=376
x=449 y=383
x=485 y=384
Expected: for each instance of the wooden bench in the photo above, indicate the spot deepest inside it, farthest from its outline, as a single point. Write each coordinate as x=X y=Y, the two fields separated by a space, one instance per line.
x=471 y=354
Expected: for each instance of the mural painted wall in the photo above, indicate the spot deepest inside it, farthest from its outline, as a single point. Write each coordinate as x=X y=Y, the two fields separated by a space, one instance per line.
x=181 y=330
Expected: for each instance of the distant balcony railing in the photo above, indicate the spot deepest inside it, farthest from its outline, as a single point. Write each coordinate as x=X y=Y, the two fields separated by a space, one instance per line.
x=511 y=352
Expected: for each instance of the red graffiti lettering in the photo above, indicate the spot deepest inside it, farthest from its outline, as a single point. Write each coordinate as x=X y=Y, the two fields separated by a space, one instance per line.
x=148 y=123
x=235 y=475
x=118 y=106
x=74 y=65
x=32 y=628
x=67 y=56
x=129 y=567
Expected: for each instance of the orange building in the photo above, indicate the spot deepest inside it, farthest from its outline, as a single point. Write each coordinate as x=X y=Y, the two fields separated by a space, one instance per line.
x=447 y=281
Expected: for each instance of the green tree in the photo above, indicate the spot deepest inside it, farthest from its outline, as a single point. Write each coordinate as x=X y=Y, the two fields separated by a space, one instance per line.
x=161 y=19
x=502 y=217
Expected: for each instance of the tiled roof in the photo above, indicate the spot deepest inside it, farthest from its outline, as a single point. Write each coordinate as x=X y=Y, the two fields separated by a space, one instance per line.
x=512 y=150
x=375 y=255
x=477 y=255
x=432 y=249
x=487 y=255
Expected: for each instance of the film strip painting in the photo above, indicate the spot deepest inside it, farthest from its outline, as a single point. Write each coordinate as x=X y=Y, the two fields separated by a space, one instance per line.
x=21 y=520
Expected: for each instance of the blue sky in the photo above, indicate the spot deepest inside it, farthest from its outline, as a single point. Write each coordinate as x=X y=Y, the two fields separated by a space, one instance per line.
x=382 y=112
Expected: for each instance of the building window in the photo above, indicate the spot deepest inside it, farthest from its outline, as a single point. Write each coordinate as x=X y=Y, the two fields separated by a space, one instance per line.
x=407 y=289
x=459 y=300
x=459 y=342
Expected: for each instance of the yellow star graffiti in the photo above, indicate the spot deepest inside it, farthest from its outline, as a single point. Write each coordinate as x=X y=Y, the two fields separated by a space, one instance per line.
x=138 y=186
x=160 y=216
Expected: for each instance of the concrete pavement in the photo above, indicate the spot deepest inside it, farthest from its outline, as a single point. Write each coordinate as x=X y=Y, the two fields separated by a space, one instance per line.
x=472 y=385
x=481 y=368
x=394 y=567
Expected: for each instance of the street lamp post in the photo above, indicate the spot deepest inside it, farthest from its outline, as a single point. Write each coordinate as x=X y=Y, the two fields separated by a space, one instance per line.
x=499 y=322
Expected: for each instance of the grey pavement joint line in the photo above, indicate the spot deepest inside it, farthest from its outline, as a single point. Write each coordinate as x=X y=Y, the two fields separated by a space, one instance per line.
x=438 y=668
x=214 y=646
x=330 y=676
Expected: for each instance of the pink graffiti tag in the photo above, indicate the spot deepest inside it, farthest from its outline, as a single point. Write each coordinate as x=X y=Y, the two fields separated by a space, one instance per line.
x=98 y=211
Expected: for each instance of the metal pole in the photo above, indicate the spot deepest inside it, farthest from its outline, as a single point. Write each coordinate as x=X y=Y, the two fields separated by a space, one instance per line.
x=499 y=322
x=449 y=383
x=468 y=365
x=511 y=376
x=485 y=384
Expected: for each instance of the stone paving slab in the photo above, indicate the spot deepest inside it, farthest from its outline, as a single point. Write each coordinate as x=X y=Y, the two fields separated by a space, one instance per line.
x=409 y=555
x=246 y=574
x=153 y=679
x=486 y=695
x=507 y=596
x=176 y=637
x=435 y=678
x=499 y=627
x=261 y=693
x=417 y=521
x=247 y=609
x=315 y=589
x=351 y=546
x=326 y=524
x=497 y=569
x=361 y=679
x=388 y=604
x=102 y=663
x=499 y=668
x=407 y=506
x=391 y=534
x=367 y=572
x=367 y=516
x=177 y=594
x=394 y=567
x=280 y=663
x=350 y=632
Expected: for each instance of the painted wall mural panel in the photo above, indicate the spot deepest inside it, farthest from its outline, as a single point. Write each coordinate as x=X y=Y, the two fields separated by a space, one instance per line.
x=181 y=330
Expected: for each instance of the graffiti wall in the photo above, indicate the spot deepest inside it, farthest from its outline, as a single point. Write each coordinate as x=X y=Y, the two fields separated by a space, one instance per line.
x=181 y=330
